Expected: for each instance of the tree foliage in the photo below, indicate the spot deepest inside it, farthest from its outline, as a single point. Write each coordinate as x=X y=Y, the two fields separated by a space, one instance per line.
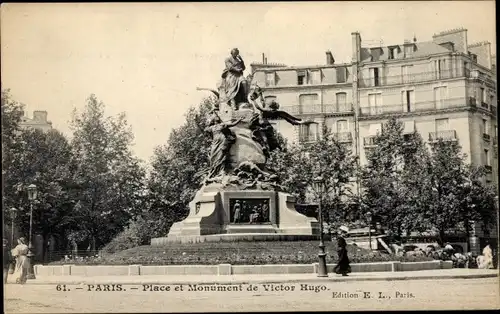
x=176 y=169
x=411 y=188
x=299 y=165
x=109 y=179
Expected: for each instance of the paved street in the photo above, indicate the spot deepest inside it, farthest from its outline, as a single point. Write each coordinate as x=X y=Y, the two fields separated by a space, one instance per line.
x=393 y=295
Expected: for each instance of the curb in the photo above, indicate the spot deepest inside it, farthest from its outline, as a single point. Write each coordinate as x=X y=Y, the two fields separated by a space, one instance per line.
x=261 y=281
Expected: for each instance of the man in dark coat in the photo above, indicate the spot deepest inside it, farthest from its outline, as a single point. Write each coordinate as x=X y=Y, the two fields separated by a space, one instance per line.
x=343 y=266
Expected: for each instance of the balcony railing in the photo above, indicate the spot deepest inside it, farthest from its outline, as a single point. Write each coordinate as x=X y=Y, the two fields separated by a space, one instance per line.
x=488 y=168
x=413 y=78
x=486 y=137
x=318 y=108
x=310 y=138
x=448 y=135
x=414 y=107
x=484 y=105
x=343 y=137
x=369 y=141
x=476 y=74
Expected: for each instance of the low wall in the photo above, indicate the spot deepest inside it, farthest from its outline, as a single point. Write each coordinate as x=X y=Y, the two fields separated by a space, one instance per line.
x=227 y=269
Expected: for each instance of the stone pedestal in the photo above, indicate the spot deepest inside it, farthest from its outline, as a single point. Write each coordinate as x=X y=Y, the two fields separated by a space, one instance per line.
x=211 y=218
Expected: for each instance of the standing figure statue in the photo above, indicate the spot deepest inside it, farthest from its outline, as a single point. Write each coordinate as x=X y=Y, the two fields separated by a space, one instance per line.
x=223 y=138
x=237 y=212
x=234 y=84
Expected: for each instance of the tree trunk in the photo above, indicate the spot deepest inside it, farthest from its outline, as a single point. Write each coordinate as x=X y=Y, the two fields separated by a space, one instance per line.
x=467 y=233
x=441 y=236
x=45 y=242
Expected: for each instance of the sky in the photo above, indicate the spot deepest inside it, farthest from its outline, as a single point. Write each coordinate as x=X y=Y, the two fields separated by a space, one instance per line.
x=146 y=59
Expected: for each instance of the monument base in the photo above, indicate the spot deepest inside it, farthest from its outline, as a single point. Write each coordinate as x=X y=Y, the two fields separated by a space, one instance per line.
x=263 y=216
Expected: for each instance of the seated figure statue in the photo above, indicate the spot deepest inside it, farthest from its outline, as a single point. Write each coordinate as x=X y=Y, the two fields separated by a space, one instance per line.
x=233 y=83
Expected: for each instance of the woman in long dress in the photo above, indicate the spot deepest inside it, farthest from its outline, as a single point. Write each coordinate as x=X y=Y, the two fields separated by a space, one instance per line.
x=343 y=262
x=20 y=252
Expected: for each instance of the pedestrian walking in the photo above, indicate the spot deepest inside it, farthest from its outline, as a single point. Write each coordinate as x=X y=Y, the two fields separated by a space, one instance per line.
x=7 y=259
x=20 y=252
x=343 y=266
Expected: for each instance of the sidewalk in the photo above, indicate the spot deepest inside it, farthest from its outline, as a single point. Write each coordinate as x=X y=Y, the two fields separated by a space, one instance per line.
x=457 y=273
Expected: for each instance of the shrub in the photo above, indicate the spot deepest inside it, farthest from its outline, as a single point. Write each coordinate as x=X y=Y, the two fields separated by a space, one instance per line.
x=129 y=238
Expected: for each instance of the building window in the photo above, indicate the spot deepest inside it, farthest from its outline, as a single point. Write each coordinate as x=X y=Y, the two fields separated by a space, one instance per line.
x=440 y=67
x=406 y=73
x=341 y=74
x=308 y=132
x=315 y=77
x=485 y=127
x=392 y=53
x=270 y=79
x=374 y=77
x=408 y=98
x=375 y=103
x=442 y=125
x=492 y=100
x=301 y=77
x=342 y=126
x=408 y=50
x=341 y=102
x=481 y=95
x=440 y=95
x=487 y=158
x=308 y=103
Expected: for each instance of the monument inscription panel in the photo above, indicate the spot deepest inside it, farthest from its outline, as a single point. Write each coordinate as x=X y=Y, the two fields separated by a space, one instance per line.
x=249 y=211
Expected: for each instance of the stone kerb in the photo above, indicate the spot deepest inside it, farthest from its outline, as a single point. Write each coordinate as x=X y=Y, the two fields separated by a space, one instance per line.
x=228 y=269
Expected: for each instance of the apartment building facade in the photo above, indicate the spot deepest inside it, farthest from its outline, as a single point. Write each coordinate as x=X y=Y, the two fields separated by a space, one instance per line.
x=443 y=88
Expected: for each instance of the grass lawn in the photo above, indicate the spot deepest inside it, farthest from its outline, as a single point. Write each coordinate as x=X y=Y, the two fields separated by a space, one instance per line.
x=237 y=253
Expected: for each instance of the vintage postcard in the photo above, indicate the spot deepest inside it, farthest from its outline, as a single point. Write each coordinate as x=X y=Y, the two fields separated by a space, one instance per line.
x=249 y=156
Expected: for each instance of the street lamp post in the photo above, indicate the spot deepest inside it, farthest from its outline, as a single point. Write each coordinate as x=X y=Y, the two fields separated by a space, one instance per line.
x=32 y=194
x=369 y=216
x=322 y=271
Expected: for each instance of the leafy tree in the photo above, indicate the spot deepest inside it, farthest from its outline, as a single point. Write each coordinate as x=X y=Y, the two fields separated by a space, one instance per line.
x=446 y=178
x=12 y=112
x=284 y=163
x=391 y=179
x=177 y=170
x=109 y=178
x=458 y=194
x=44 y=159
x=299 y=164
x=477 y=200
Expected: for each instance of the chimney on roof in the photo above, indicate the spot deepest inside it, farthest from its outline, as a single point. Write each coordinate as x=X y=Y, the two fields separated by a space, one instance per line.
x=263 y=57
x=329 y=58
x=265 y=60
x=414 y=38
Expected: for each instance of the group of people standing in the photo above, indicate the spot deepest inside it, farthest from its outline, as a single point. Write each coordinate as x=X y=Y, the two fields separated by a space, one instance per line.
x=22 y=262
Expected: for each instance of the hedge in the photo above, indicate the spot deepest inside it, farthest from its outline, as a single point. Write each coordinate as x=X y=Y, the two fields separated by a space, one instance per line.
x=238 y=253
